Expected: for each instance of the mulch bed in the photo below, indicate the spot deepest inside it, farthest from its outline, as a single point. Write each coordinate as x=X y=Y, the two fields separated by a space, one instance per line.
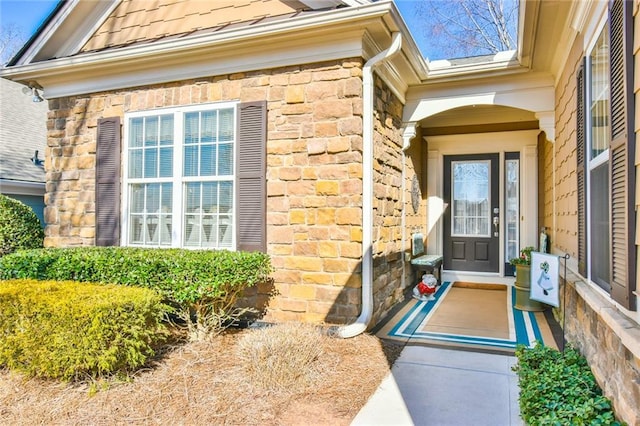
x=203 y=383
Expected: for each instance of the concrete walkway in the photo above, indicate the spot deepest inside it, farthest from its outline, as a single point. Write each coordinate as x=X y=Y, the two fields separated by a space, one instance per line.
x=432 y=386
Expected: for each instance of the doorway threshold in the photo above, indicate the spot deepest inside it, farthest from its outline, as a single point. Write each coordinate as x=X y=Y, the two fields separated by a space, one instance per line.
x=476 y=277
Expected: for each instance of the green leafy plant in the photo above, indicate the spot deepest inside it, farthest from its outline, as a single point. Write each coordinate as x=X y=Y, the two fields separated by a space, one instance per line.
x=68 y=330
x=203 y=285
x=20 y=228
x=524 y=258
x=559 y=389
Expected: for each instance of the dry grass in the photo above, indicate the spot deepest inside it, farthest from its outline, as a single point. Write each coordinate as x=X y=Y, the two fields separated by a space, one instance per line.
x=285 y=357
x=210 y=383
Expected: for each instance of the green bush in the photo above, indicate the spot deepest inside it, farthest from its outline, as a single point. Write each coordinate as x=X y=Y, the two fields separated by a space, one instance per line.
x=69 y=330
x=20 y=228
x=559 y=389
x=204 y=284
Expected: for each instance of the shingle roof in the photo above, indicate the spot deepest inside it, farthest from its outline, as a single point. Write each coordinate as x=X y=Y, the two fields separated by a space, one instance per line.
x=23 y=130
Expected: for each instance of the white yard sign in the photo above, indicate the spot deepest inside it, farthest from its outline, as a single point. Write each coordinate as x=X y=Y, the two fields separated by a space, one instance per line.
x=544 y=278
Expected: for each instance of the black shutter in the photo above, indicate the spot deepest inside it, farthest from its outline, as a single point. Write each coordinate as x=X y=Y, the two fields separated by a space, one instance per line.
x=581 y=170
x=108 y=182
x=622 y=153
x=251 y=176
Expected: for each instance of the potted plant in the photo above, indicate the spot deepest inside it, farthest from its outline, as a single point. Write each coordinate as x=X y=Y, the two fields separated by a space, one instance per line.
x=522 y=264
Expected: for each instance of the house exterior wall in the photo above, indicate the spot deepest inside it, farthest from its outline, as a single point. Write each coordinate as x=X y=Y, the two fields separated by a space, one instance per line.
x=606 y=334
x=314 y=174
x=389 y=202
x=545 y=184
x=564 y=182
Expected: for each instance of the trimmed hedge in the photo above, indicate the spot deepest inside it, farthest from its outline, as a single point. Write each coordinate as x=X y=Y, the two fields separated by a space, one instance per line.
x=183 y=276
x=205 y=284
x=20 y=228
x=69 y=330
x=559 y=389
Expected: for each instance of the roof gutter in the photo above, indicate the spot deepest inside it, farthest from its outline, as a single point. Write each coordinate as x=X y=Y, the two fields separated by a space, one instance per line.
x=362 y=322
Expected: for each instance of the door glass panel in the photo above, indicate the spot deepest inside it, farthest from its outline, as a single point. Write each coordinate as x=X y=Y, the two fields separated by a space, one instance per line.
x=471 y=198
x=512 y=205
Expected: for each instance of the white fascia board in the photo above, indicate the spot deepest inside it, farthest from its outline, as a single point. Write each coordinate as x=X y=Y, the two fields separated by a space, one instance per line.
x=308 y=22
x=70 y=29
x=532 y=92
x=211 y=65
x=501 y=61
x=481 y=85
x=19 y=187
x=73 y=75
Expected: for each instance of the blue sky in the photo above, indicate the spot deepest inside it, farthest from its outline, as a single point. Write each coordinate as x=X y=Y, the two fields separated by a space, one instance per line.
x=27 y=14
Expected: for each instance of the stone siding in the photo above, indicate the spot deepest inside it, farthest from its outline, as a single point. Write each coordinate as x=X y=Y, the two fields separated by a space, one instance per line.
x=314 y=177
x=593 y=327
x=388 y=245
x=592 y=321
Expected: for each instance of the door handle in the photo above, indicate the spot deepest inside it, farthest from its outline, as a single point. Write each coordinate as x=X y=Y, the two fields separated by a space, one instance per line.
x=496 y=222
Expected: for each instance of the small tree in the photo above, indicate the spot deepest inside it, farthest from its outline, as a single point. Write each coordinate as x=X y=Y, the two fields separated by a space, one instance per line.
x=465 y=28
x=12 y=38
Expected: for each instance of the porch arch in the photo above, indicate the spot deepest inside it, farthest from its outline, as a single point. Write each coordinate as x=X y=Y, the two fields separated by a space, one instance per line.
x=531 y=94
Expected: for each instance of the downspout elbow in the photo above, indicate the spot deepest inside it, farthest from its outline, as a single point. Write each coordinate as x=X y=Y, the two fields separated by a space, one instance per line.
x=362 y=322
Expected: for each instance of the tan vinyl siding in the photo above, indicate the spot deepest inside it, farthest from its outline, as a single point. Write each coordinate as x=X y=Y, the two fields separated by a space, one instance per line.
x=135 y=21
x=565 y=230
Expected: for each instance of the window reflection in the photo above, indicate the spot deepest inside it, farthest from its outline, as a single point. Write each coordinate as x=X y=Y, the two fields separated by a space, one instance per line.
x=470 y=198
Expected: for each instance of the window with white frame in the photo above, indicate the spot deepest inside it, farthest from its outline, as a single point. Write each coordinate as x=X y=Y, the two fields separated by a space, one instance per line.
x=597 y=155
x=179 y=182
x=605 y=142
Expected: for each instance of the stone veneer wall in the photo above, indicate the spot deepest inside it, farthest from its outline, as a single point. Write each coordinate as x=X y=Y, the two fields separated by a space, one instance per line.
x=594 y=326
x=314 y=180
x=609 y=339
x=388 y=245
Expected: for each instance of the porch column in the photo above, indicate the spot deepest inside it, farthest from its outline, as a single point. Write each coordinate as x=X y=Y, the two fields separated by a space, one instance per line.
x=529 y=199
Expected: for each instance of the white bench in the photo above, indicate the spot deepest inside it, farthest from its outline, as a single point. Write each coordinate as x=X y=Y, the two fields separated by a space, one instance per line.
x=431 y=263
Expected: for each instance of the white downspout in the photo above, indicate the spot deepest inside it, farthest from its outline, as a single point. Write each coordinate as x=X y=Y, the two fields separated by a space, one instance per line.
x=362 y=322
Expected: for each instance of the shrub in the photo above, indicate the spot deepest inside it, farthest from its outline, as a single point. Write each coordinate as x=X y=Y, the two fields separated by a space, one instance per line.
x=69 y=330
x=20 y=228
x=559 y=388
x=204 y=284
x=282 y=357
